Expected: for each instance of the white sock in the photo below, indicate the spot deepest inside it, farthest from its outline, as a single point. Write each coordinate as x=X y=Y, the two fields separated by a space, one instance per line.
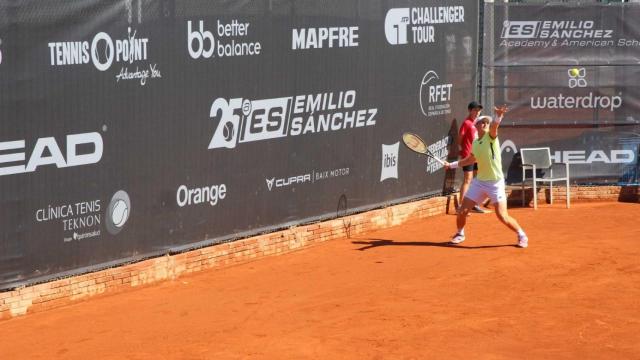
x=461 y=231
x=521 y=233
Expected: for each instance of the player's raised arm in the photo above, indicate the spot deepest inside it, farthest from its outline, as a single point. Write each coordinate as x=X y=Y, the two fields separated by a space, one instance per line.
x=499 y=114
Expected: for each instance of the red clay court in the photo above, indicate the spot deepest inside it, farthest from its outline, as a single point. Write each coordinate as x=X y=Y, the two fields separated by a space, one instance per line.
x=398 y=293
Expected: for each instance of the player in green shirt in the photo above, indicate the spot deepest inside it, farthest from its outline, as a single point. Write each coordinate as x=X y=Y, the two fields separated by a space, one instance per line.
x=489 y=182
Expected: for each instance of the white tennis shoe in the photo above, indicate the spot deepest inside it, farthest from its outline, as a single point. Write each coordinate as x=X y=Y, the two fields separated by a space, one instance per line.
x=523 y=241
x=457 y=239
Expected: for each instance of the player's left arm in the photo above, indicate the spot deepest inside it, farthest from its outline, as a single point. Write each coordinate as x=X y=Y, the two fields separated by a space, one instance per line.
x=495 y=124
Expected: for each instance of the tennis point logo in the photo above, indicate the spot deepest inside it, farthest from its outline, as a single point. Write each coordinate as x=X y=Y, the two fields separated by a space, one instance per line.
x=229 y=40
x=435 y=96
x=390 y=155
x=102 y=52
x=417 y=25
x=577 y=79
x=243 y=120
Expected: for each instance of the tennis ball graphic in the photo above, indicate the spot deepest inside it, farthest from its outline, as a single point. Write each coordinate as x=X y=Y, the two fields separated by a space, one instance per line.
x=574 y=72
x=120 y=213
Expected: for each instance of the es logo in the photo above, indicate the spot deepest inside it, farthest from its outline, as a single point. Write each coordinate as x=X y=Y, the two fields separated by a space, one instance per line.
x=389 y=161
x=46 y=151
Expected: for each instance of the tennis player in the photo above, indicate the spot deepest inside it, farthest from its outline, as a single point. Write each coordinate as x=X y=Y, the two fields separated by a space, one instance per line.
x=489 y=183
x=466 y=135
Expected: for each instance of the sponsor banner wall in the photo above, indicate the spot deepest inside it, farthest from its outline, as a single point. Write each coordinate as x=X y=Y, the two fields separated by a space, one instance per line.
x=132 y=129
x=568 y=74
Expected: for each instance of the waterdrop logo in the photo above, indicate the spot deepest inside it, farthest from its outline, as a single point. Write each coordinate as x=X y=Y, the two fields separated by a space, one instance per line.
x=577 y=78
x=389 y=161
x=118 y=212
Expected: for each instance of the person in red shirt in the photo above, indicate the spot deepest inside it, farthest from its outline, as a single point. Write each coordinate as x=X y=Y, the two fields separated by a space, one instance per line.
x=467 y=134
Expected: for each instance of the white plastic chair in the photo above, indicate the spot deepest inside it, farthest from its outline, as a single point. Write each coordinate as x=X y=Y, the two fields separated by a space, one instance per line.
x=540 y=159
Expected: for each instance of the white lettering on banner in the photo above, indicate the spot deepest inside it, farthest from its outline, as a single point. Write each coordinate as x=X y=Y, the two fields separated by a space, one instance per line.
x=618 y=156
x=102 y=51
x=589 y=101
x=207 y=194
x=560 y=33
x=439 y=149
x=419 y=22
x=318 y=38
x=624 y=156
x=43 y=146
x=83 y=219
x=242 y=120
x=434 y=96
x=389 y=168
x=202 y=42
x=310 y=177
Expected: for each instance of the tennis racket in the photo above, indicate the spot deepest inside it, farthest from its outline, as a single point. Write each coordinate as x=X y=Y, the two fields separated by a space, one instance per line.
x=415 y=143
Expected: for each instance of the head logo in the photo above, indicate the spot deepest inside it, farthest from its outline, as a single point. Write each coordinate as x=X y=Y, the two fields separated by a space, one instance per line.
x=509 y=146
x=389 y=162
x=118 y=212
x=577 y=78
x=270 y=183
x=434 y=96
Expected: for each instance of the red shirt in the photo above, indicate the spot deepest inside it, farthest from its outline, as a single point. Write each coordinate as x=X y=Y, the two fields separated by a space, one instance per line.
x=468 y=133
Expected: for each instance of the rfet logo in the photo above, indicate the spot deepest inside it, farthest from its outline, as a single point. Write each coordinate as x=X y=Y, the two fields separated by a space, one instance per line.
x=435 y=96
x=389 y=161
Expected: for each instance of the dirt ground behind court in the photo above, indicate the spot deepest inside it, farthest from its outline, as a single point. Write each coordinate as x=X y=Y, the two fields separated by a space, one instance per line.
x=398 y=293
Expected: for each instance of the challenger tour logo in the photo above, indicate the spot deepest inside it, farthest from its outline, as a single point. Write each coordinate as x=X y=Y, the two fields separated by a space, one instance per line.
x=243 y=120
x=417 y=25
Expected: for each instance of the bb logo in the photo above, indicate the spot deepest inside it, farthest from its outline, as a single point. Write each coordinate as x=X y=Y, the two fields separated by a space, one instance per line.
x=577 y=78
x=396 y=24
x=204 y=41
x=118 y=212
x=389 y=161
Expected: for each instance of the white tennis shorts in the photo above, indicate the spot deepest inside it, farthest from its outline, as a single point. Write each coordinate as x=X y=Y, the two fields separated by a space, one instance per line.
x=480 y=190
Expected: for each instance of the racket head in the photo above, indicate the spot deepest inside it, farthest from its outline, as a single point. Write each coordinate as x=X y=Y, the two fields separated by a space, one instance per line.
x=415 y=143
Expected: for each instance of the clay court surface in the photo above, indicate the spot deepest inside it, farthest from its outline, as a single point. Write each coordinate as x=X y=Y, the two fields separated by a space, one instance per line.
x=392 y=294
